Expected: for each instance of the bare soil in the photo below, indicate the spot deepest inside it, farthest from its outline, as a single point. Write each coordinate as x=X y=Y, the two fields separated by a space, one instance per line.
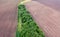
x=51 y=3
x=8 y=18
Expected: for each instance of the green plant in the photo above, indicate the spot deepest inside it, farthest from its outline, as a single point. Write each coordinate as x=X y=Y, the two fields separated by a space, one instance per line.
x=26 y=25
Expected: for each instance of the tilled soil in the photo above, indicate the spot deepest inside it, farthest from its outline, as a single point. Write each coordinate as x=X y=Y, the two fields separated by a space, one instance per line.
x=51 y=3
x=8 y=18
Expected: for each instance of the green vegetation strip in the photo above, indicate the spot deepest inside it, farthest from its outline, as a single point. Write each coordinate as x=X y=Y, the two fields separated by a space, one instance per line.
x=26 y=26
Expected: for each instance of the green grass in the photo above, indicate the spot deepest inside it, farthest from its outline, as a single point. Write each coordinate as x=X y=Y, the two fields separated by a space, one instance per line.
x=26 y=25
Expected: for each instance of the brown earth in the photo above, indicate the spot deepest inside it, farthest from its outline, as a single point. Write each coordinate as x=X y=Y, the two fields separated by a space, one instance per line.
x=51 y=3
x=46 y=17
x=8 y=18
